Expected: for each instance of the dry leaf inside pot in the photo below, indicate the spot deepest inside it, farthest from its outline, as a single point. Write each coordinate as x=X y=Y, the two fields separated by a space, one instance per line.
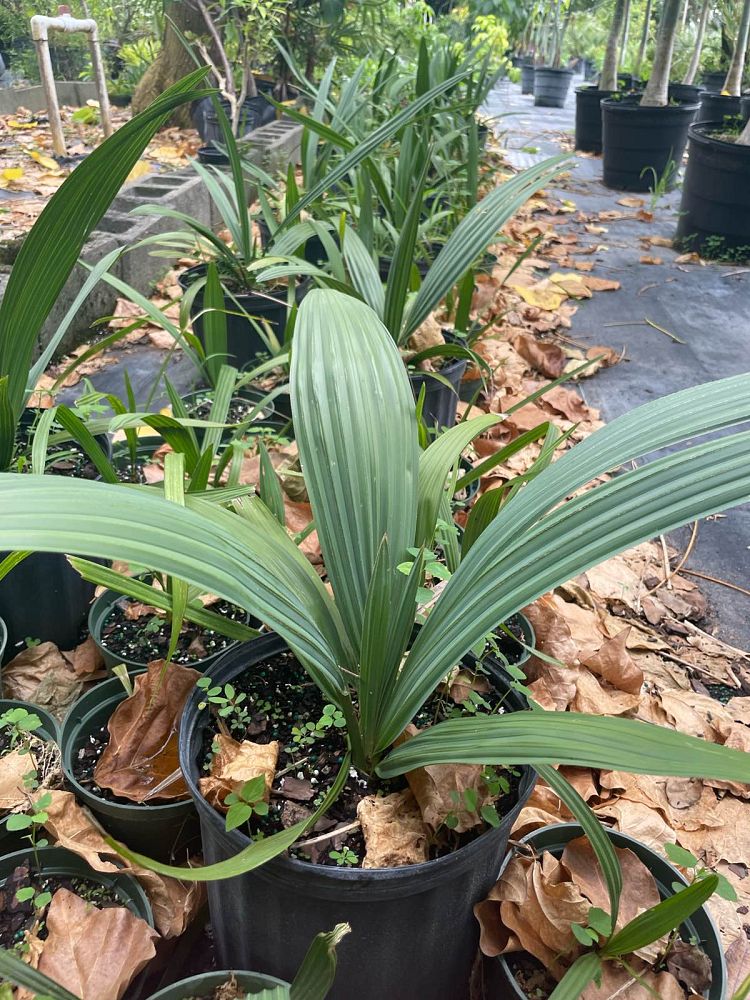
x=94 y=953
x=235 y=763
x=394 y=831
x=142 y=750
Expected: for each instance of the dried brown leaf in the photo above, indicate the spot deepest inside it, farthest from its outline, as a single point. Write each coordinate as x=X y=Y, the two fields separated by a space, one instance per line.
x=142 y=750
x=394 y=831
x=94 y=953
x=235 y=763
x=544 y=357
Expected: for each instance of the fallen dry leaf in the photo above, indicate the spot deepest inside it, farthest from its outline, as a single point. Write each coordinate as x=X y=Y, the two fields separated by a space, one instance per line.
x=174 y=903
x=646 y=259
x=545 y=357
x=13 y=767
x=142 y=751
x=394 y=831
x=95 y=954
x=235 y=763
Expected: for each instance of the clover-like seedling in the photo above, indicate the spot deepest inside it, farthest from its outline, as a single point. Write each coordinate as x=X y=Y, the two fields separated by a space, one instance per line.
x=345 y=858
x=248 y=801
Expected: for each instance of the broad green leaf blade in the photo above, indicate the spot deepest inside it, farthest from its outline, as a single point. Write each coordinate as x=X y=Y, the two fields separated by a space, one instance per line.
x=51 y=249
x=316 y=974
x=269 y=486
x=399 y=273
x=594 y=831
x=202 y=544
x=74 y=426
x=7 y=424
x=351 y=440
x=542 y=737
x=482 y=514
x=436 y=461
x=364 y=274
x=473 y=234
x=367 y=145
x=253 y=856
x=582 y=972
x=661 y=919
x=174 y=490
x=509 y=567
x=17 y=971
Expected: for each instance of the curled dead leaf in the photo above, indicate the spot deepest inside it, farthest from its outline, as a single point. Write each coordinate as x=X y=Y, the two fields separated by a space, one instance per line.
x=235 y=763
x=395 y=833
x=142 y=751
x=94 y=953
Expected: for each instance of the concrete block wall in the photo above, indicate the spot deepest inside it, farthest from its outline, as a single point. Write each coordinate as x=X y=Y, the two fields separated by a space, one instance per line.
x=72 y=92
x=271 y=147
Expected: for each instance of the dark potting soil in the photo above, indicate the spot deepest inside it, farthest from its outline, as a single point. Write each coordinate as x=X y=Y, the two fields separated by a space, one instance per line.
x=16 y=917
x=280 y=701
x=239 y=410
x=147 y=638
x=511 y=650
x=531 y=976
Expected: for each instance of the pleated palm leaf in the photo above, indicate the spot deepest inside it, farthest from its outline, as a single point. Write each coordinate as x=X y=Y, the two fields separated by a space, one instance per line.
x=374 y=495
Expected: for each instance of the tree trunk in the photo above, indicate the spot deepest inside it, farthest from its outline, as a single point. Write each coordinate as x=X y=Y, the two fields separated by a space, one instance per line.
x=683 y=19
x=173 y=61
x=696 y=57
x=608 y=76
x=744 y=138
x=644 y=40
x=733 y=82
x=656 y=93
x=625 y=33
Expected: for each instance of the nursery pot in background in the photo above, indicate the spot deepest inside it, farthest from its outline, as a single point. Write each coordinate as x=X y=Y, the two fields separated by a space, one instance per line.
x=413 y=932
x=206 y=985
x=745 y=108
x=440 y=399
x=100 y=611
x=714 y=80
x=44 y=598
x=643 y=144
x=715 y=208
x=717 y=107
x=59 y=861
x=685 y=92
x=551 y=86
x=700 y=927
x=244 y=340
x=164 y=831
x=527 y=78
x=589 y=118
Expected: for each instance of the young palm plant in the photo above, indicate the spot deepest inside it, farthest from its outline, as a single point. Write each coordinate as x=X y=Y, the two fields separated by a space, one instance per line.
x=375 y=495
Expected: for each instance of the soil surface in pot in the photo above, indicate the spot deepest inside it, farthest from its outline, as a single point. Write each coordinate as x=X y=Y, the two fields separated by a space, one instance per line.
x=281 y=703
x=16 y=916
x=143 y=637
x=239 y=410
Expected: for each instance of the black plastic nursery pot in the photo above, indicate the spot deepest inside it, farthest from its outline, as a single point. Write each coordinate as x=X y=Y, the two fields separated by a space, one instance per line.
x=245 y=343
x=164 y=831
x=441 y=395
x=59 y=861
x=642 y=144
x=714 y=80
x=589 y=118
x=207 y=983
x=715 y=208
x=212 y=157
x=551 y=86
x=718 y=107
x=100 y=611
x=527 y=78
x=11 y=840
x=700 y=927
x=413 y=932
x=685 y=92
x=256 y=111
x=43 y=597
x=246 y=394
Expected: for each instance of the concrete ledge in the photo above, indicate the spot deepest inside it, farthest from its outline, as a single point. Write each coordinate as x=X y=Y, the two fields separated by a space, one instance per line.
x=71 y=92
x=271 y=148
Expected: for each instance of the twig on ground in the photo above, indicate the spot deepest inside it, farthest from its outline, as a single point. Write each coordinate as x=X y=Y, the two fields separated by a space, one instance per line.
x=666 y=333
x=327 y=836
x=685 y=556
x=699 y=631
x=715 y=579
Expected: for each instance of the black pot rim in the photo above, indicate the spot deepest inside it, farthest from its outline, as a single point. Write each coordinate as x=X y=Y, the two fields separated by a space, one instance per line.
x=212 y=980
x=554 y=69
x=190 y=274
x=569 y=831
x=386 y=882
x=700 y=133
x=627 y=106
x=590 y=88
